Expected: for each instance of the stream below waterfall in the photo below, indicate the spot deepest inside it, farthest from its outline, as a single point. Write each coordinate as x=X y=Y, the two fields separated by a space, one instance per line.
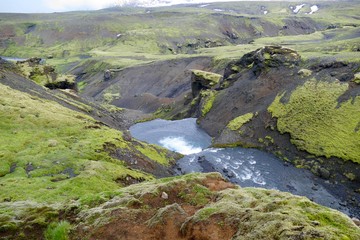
x=242 y=166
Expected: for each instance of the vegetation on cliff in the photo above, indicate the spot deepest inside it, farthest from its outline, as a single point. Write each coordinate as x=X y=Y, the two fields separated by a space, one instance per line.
x=317 y=122
x=237 y=122
x=50 y=154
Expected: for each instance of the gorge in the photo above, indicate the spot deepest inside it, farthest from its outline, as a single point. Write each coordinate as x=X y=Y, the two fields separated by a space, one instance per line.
x=194 y=121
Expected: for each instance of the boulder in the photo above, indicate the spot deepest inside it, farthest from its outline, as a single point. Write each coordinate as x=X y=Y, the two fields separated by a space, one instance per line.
x=107 y=75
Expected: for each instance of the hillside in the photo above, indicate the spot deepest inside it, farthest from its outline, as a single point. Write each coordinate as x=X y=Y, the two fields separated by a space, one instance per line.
x=260 y=75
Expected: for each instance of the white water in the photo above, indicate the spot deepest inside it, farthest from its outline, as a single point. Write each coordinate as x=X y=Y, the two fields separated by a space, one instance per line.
x=246 y=167
x=182 y=136
x=180 y=145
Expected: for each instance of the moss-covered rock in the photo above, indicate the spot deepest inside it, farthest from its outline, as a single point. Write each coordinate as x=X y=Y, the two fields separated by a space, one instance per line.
x=207 y=98
x=202 y=80
x=305 y=72
x=356 y=78
x=317 y=122
x=261 y=59
x=226 y=211
x=237 y=122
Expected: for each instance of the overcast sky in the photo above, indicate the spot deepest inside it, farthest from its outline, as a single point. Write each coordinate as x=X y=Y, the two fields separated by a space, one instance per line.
x=40 y=6
x=33 y=6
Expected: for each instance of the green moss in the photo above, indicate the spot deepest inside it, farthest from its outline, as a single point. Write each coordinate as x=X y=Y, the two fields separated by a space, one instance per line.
x=154 y=153
x=205 y=213
x=112 y=108
x=235 y=68
x=58 y=231
x=112 y=93
x=254 y=213
x=57 y=154
x=211 y=78
x=109 y=97
x=44 y=75
x=207 y=99
x=237 y=122
x=356 y=78
x=267 y=56
x=305 y=72
x=350 y=176
x=270 y=139
x=315 y=120
x=81 y=85
x=197 y=196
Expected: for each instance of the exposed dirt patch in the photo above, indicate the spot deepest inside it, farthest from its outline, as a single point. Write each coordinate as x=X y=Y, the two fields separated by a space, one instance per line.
x=217 y=185
x=154 y=216
x=147 y=87
x=213 y=228
x=128 y=180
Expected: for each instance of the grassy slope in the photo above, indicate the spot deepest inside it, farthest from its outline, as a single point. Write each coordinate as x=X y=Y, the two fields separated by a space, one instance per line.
x=44 y=145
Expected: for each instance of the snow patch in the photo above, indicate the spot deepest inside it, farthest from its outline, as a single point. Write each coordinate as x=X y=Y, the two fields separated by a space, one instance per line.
x=204 y=5
x=297 y=8
x=313 y=9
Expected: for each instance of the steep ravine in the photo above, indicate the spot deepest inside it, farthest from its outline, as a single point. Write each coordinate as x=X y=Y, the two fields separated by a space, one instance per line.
x=305 y=112
x=65 y=165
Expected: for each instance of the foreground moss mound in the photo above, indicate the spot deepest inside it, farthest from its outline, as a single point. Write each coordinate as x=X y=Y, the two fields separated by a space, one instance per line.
x=205 y=206
x=317 y=122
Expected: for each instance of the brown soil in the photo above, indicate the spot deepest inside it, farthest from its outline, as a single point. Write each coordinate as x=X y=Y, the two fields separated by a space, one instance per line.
x=156 y=218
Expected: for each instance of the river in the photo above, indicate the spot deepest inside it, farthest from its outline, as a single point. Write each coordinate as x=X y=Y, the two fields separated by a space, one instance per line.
x=245 y=167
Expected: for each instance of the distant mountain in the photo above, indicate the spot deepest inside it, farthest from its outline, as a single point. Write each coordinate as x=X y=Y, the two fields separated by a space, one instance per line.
x=158 y=3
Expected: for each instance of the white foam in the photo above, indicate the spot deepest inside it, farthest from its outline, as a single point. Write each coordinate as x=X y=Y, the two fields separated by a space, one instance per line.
x=258 y=179
x=212 y=150
x=192 y=159
x=246 y=174
x=179 y=144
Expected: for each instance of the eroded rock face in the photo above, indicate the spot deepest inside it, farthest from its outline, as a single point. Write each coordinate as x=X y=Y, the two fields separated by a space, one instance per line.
x=205 y=206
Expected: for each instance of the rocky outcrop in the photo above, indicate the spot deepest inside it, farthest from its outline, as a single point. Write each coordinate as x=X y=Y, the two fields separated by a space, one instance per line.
x=107 y=75
x=261 y=60
x=196 y=206
x=205 y=206
x=45 y=75
x=202 y=80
